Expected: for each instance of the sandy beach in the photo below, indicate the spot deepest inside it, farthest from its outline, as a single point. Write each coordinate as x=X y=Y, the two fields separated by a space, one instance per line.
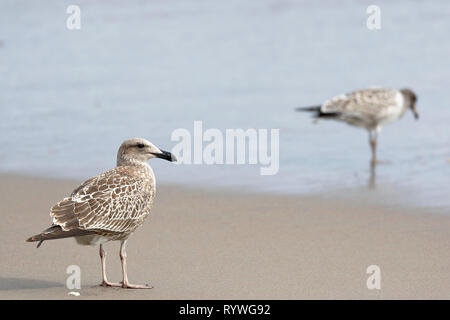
x=215 y=244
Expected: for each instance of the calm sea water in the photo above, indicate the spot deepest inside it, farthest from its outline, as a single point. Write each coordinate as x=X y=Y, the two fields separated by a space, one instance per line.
x=145 y=68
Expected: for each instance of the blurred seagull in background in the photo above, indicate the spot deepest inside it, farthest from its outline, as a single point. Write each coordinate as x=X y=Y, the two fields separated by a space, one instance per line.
x=367 y=108
x=110 y=206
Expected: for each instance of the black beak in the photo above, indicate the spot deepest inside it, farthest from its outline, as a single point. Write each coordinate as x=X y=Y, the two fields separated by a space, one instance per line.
x=416 y=115
x=166 y=155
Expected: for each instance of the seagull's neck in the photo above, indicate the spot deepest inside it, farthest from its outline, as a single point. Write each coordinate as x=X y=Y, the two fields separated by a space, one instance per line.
x=131 y=162
x=405 y=104
x=144 y=168
x=406 y=101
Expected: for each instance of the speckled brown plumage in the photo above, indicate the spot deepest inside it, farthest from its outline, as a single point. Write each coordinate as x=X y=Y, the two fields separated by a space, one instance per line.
x=112 y=204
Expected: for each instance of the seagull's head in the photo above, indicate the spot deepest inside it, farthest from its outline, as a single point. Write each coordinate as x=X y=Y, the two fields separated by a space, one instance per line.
x=410 y=99
x=138 y=149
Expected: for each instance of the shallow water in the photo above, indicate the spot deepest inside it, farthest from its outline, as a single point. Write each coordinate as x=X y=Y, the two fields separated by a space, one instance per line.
x=145 y=68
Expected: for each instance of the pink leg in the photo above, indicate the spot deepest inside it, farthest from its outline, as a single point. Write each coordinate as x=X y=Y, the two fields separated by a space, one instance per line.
x=125 y=283
x=105 y=282
x=373 y=135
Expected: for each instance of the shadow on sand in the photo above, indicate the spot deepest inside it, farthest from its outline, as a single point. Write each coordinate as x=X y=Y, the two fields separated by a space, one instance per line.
x=22 y=283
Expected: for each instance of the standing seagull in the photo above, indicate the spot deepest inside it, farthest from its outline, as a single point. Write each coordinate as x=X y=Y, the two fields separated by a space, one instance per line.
x=110 y=206
x=368 y=108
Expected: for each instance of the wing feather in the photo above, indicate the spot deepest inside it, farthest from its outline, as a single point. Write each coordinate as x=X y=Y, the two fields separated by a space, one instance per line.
x=113 y=201
x=365 y=104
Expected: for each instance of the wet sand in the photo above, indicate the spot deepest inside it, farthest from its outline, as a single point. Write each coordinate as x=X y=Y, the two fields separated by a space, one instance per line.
x=214 y=244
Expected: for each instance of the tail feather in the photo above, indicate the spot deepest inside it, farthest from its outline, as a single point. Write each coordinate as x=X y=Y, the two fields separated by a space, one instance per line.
x=56 y=232
x=318 y=113
x=309 y=109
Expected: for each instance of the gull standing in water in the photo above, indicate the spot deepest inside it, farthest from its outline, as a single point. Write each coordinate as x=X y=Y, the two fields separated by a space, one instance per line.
x=109 y=206
x=368 y=108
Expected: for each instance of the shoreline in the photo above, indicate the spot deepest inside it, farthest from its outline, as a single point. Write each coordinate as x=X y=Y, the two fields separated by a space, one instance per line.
x=357 y=196
x=227 y=244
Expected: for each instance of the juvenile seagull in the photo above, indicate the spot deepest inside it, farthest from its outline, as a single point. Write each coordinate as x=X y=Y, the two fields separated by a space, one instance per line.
x=367 y=108
x=110 y=206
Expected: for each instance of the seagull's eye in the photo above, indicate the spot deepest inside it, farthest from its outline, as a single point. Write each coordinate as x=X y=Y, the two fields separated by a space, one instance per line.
x=140 y=145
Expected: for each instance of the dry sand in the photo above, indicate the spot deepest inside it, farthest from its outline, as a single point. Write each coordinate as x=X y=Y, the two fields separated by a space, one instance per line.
x=203 y=244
